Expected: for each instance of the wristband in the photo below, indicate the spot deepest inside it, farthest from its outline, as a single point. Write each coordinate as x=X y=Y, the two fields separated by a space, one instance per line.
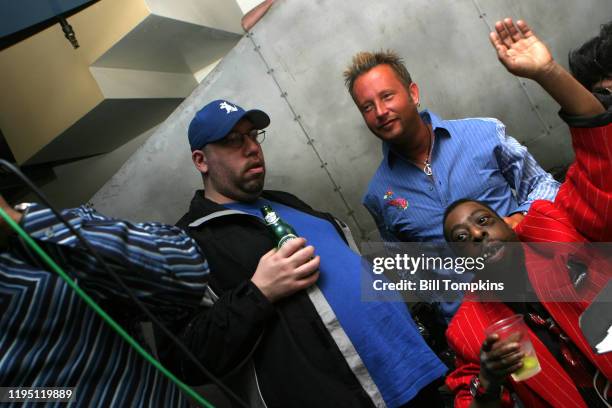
x=483 y=394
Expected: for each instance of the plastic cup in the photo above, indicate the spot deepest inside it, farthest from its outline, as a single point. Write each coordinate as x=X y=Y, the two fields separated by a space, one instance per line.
x=515 y=329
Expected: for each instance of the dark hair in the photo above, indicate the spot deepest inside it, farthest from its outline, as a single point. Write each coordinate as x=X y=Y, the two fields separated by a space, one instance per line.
x=456 y=204
x=592 y=61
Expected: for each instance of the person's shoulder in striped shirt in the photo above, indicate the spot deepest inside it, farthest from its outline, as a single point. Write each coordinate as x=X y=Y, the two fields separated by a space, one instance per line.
x=50 y=338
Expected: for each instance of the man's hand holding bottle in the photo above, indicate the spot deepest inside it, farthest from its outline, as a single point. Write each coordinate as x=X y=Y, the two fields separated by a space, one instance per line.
x=289 y=269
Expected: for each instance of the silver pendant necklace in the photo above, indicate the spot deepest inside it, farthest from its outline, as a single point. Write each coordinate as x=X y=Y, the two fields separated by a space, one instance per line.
x=427 y=169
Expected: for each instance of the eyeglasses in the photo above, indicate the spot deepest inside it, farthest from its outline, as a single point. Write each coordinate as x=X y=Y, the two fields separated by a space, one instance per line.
x=236 y=139
x=603 y=91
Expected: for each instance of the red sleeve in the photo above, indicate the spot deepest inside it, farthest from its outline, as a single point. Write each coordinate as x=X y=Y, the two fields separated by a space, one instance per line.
x=586 y=194
x=459 y=383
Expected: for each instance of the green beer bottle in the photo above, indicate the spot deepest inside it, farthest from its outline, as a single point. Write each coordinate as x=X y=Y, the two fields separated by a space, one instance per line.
x=281 y=230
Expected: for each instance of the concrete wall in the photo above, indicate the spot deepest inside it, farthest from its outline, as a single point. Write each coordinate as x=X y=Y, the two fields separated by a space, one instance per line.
x=317 y=145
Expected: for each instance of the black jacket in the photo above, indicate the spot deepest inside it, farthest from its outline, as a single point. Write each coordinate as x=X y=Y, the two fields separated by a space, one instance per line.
x=284 y=351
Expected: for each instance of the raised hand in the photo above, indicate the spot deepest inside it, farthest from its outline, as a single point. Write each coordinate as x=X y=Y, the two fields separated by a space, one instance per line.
x=520 y=51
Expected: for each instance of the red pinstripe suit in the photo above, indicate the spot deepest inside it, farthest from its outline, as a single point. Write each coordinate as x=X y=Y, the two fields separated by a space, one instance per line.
x=581 y=212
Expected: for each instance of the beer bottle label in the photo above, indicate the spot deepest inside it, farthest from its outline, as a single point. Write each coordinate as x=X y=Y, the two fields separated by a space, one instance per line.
x=286 y=239
x=271 y=217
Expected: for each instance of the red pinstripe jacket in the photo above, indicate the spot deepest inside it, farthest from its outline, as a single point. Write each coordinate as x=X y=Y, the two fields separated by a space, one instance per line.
x=581 y=212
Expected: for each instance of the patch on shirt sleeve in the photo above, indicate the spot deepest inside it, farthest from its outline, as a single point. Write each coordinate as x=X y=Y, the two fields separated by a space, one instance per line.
x=398 y=202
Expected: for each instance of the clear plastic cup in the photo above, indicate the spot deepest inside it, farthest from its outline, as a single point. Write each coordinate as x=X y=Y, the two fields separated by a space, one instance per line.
x=514 y=328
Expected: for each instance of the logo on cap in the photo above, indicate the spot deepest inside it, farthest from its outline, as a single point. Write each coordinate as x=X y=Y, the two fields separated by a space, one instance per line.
x=228 y=108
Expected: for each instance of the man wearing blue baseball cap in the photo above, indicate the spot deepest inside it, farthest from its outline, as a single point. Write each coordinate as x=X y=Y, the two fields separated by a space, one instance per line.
x=224 y=140
x=277 y=338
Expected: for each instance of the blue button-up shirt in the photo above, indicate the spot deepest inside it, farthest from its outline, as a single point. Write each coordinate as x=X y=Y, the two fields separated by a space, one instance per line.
x=471 y=158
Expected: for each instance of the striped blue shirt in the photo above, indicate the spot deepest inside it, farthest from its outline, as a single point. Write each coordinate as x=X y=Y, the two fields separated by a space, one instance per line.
x=471 y=158
x=49 y=337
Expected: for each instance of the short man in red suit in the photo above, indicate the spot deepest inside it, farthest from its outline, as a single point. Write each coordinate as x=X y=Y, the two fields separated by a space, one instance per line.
x=572 y=375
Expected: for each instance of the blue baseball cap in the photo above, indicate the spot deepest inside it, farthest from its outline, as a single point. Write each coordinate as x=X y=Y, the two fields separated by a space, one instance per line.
x=215 y=120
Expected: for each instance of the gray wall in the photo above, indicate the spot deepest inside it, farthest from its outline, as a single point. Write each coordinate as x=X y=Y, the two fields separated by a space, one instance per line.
x=317 y=145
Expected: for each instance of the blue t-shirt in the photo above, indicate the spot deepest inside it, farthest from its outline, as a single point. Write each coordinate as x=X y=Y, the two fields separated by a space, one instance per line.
x=383 y=333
